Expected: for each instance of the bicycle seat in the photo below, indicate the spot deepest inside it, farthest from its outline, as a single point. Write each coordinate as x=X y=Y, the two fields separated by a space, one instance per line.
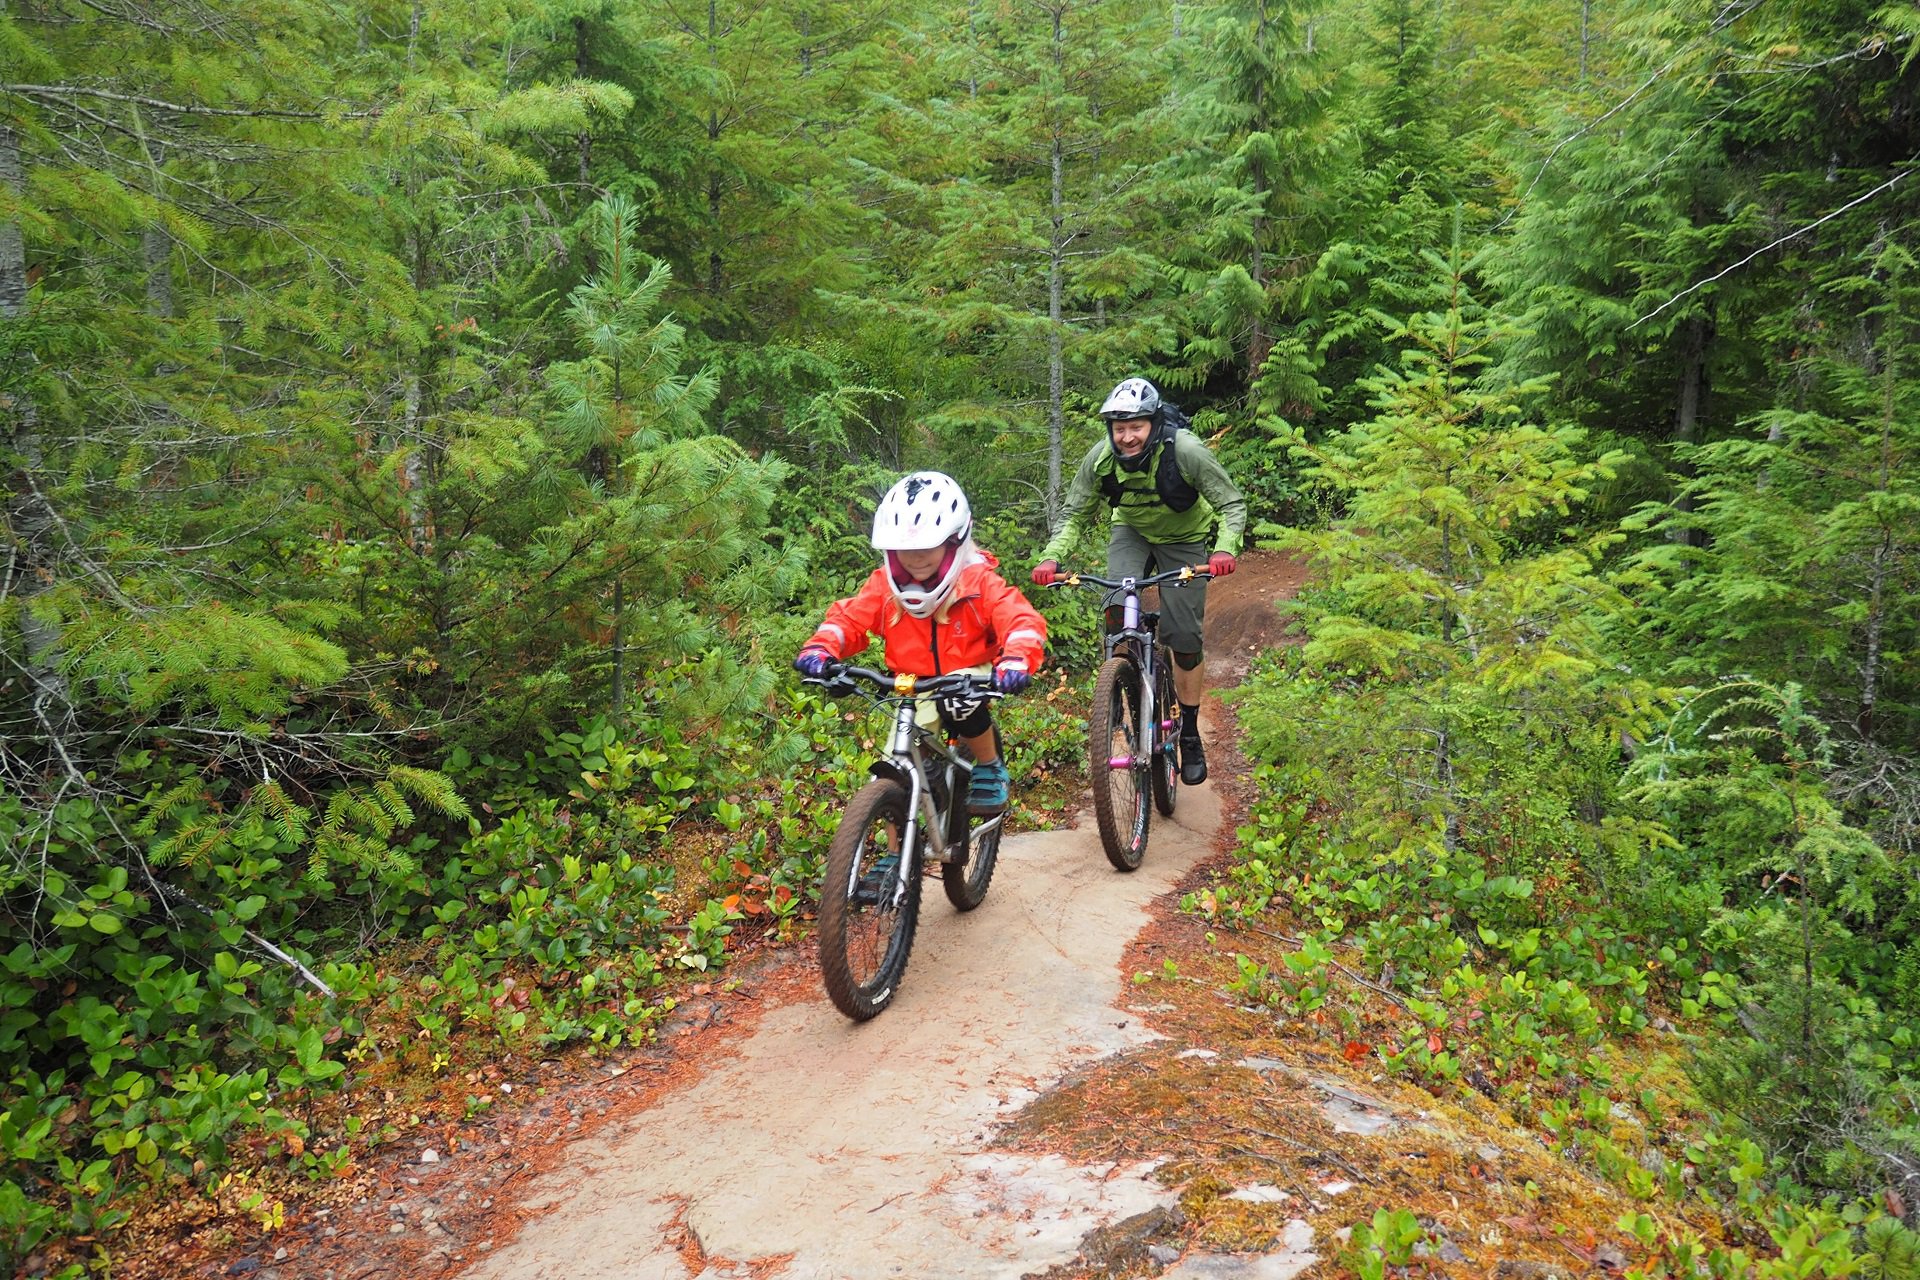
x=1150 y=618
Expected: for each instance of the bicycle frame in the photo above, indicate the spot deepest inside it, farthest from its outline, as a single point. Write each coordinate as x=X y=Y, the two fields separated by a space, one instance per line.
x=1141 y=646
x=911 y=755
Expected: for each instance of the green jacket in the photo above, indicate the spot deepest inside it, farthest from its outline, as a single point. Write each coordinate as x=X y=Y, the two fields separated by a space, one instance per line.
x=1140 y=506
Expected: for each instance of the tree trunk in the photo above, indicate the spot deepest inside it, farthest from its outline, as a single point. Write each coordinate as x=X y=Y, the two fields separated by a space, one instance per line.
x=1877 y=577
x=156 y=247
x=1586 y=11
x=31 y=562
x=1686 y=418
x=713 y=155
x=1056 y=347
x=418 y=440
x=1056 y=291
x=583 y=141
x=1259 y=343
x=973 y=45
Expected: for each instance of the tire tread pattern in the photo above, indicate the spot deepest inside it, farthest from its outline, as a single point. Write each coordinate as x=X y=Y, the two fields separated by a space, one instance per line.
x=1123 y=835
x=878 y=800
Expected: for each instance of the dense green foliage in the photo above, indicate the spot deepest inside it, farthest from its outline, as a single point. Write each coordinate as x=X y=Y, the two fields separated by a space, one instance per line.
x=428 y=432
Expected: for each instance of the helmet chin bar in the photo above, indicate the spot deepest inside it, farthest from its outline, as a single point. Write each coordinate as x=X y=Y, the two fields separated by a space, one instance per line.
x=922 y=597
x=903 y=577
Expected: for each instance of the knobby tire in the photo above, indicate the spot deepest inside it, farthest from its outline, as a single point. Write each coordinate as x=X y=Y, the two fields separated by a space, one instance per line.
x=864 y=946
x=1119 y=795
x=966 y=882
x=1166 y=769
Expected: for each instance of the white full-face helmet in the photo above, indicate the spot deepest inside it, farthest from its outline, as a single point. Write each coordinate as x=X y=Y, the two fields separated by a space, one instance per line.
x=922 y=511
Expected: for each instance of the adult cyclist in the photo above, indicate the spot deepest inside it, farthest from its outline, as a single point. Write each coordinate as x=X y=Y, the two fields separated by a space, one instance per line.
x=1173 y=504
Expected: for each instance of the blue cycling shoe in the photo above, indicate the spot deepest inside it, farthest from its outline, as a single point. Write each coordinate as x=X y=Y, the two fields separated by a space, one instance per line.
x=876 y=886
x=987 y=794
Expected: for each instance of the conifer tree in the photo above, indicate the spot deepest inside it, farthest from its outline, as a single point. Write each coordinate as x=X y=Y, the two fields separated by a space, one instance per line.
x=1474 y=639
x=1258 y=150
x=1034 y=263
x=666 y=524
x=1802 y=562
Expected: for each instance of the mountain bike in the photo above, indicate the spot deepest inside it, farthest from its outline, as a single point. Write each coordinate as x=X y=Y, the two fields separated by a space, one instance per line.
x=1134 y=729
x=913 y=813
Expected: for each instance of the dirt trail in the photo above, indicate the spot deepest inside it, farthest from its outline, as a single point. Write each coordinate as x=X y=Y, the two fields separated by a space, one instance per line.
x=860 y=1150
x=828 y=1149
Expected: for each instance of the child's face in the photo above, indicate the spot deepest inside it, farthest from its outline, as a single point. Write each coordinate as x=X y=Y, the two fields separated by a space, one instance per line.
x=922 y=564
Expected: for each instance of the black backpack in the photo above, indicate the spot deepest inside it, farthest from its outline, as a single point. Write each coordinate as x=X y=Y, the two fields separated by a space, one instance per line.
x=1174 y=489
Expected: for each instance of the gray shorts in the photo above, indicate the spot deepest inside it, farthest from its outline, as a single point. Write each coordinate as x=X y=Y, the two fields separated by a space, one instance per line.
x=1182 y=609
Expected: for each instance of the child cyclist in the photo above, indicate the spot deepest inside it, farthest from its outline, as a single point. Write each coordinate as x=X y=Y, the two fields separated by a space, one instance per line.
x=939 y=605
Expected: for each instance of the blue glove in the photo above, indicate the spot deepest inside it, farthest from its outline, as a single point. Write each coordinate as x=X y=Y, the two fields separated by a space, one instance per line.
x=1011 y=676
x=813 y=662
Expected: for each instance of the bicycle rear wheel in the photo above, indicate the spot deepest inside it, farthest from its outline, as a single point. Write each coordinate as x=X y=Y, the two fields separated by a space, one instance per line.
x=1166 y=709
x=867 y=912
x=1117 y=764
x=966 y=882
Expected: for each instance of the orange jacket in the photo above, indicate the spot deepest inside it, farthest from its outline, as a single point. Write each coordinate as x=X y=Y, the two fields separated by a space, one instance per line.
x=983 y=620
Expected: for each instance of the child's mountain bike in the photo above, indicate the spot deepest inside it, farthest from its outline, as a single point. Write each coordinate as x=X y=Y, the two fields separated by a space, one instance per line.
x=913 y=812
x=1133 y=731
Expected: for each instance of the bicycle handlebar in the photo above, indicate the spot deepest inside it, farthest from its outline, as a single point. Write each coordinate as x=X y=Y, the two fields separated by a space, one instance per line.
x=1179 y=577
x=842 y=677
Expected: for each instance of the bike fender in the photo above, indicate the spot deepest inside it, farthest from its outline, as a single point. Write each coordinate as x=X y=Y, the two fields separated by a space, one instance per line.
x=893 y=771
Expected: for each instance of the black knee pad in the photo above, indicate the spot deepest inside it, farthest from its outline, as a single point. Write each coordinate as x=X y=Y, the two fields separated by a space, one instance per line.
x=1187 y=661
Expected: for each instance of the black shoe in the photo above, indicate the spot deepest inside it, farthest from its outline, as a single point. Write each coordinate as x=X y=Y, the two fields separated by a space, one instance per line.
x=1193 y=760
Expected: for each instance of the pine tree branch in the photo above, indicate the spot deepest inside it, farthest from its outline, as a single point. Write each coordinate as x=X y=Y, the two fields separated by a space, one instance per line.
x=63 y=92
x=1721 y=20
x=1887 y=185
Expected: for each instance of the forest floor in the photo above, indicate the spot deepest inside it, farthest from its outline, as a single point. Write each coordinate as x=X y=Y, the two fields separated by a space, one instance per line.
x=1064 y=1088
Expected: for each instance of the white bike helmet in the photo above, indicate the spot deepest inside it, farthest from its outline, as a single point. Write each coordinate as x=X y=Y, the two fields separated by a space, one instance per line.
x=1133 y=398
x=924 y=510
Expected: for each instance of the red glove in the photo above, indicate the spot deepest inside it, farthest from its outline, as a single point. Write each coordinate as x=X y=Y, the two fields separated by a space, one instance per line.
x=1046 y=572
x=1221 y=564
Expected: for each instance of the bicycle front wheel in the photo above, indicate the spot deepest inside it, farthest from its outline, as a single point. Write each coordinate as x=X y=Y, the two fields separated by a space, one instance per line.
x=869 y=903
x=1166 y=710
x=1117 y=764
